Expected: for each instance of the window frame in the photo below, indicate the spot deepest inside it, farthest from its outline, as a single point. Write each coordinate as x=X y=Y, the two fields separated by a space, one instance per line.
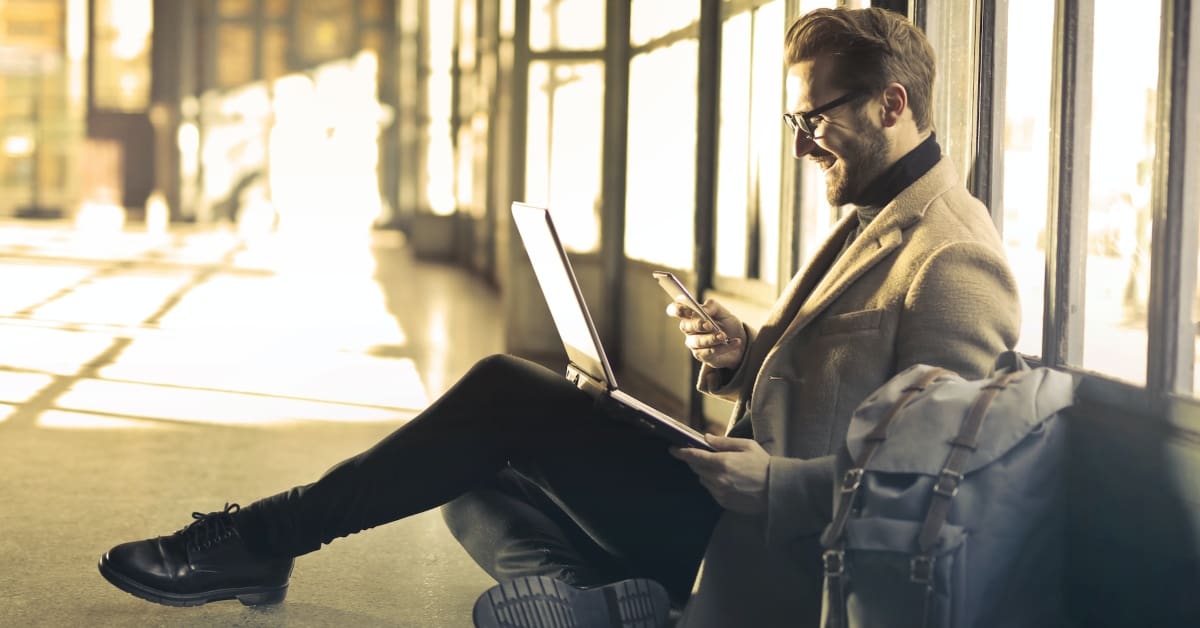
x=1168 y=399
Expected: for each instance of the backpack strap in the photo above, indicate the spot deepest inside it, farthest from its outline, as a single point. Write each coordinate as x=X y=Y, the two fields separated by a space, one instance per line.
x=831 y=539
x=946 y=486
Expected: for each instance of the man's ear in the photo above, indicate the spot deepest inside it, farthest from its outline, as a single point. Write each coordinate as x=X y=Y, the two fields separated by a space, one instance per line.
x=895 y=103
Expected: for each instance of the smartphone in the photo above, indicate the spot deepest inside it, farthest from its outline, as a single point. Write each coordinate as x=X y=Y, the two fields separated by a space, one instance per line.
x=673 y=287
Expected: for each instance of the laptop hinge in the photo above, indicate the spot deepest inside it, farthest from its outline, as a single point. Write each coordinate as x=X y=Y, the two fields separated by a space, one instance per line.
x=585 y=382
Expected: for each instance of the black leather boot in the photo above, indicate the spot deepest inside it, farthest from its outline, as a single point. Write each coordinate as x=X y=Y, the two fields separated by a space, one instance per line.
x=543 y=602
x=204 y=562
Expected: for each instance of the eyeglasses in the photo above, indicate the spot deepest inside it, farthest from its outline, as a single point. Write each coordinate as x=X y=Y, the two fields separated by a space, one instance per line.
x=803 y=122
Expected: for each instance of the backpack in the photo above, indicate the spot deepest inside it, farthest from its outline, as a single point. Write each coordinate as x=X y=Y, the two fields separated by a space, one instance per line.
x=949 y=506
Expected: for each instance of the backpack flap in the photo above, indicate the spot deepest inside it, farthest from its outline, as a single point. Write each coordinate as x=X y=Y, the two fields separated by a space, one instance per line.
x=918 y=438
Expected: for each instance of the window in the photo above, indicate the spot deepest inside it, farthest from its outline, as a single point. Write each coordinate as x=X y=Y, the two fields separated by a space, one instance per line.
x=816 y=215
x=563 y=148
x=566 y=24
x=1116 y=288
x=750 y=144
x=660 y=177
x=1026 y=160
x=648 y=21
x=952 y=30
x=122 y=55
x=439 y=186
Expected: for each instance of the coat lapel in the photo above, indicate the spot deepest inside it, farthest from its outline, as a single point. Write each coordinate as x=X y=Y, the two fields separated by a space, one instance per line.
x=799 y=290
x=882 y=236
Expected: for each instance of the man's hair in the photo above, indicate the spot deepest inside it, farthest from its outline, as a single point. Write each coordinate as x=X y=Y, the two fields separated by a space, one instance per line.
x=870 y=49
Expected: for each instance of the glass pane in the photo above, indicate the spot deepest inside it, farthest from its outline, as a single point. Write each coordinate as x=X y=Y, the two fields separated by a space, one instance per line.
x=324 y=31
x=952 y=27
x=660 y=179
x=1193 y=151
x=274 y=52
x=766 y=132
x=274 y=9
x=464 y=184
x=566 y=25
x=235 y=52
x=373 y=10
x=466 y=33
x=649 y=21
x=1026 y=185
x=1122 y=159
x=235 y=8
x=816 y=216
x=733 y=156
x=809 y=5
x=563 y=148
x=439 y=186
x=122 y=61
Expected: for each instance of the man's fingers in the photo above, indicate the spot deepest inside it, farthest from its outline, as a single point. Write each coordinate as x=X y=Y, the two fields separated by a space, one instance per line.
x=704 y=463
x=722 y=443
x=679 y=310
x=697 y=342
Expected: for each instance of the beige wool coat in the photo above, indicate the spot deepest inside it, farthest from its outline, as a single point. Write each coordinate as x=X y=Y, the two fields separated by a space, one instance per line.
x=925 y=282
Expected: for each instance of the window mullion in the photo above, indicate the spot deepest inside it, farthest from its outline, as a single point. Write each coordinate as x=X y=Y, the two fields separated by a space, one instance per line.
x=989 y=137
x=1173 y=240
x=1071 y=107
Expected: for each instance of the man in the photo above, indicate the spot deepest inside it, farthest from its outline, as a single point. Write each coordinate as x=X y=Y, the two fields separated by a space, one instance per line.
x=913 y=274
x=542 y=488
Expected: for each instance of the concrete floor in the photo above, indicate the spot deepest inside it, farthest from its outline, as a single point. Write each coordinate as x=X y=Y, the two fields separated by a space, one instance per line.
x=143 y=377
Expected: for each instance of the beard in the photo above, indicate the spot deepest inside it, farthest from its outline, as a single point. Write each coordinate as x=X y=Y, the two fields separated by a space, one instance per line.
x=857 y=167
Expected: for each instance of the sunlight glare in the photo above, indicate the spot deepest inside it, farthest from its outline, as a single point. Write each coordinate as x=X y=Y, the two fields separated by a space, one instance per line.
x=50 y=350
x=59 y=419
x=26 y=283
x=18 y=387
x=214 y=407
x=120 y=300
x=294 y=365
x=100 y=218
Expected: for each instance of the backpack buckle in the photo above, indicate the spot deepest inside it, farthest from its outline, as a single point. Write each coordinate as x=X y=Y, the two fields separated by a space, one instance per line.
x=947 y=483
x=835 y=562
x=852 y=480
x=920 y=569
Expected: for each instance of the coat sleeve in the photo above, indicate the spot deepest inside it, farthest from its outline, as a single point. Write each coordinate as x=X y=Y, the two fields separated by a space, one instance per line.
x=960 y=312
x=799 y=499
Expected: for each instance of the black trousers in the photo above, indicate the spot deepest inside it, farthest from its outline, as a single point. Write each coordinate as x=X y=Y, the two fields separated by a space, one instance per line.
x=535 y=479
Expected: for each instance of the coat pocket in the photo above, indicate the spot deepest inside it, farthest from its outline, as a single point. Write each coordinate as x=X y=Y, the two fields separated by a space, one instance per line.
x=850 y=322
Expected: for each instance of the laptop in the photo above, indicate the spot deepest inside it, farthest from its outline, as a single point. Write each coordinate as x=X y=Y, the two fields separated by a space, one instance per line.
x=587 y=364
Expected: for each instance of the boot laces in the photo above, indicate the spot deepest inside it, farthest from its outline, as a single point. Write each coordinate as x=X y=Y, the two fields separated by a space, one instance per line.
x=209 y=529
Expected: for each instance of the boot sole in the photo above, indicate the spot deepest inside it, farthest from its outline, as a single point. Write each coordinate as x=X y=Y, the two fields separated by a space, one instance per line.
x=543 y=602
x=249 y=596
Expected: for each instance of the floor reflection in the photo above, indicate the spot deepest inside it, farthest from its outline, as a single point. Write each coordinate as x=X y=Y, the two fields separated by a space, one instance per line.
x=126 y=329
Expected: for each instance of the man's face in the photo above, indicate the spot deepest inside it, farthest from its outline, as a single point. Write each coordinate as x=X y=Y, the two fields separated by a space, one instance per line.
x=849 y=148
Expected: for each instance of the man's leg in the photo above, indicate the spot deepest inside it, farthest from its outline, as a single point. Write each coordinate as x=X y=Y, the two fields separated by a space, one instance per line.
x=606 y=505
x=503 y=410
x=513 y=529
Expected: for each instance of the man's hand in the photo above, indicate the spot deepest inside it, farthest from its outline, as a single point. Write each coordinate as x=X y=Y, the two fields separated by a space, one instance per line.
x=735 y=474
x=718 y=348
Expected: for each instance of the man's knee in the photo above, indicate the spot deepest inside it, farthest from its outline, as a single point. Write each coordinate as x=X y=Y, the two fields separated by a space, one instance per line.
x=494 y=365
x=462 y=516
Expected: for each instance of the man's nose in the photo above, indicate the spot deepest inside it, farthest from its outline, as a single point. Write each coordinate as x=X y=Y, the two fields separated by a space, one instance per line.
x=802 y=144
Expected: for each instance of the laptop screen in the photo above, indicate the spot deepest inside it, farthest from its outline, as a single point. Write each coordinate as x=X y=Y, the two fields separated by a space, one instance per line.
x=565 y=300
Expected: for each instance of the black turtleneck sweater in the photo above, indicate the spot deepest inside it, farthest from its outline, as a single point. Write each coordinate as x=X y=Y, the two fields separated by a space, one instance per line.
x=891 y=182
